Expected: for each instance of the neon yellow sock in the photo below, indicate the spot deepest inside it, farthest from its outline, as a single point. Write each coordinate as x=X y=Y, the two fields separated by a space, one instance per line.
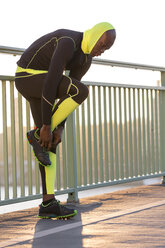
x=64 y=109
x=50 y=174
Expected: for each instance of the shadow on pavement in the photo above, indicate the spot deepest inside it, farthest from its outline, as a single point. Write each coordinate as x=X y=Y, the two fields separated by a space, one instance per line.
x=70 y=238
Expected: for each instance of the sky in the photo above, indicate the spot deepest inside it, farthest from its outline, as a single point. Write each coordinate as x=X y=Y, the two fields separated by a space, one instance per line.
x=139 y=24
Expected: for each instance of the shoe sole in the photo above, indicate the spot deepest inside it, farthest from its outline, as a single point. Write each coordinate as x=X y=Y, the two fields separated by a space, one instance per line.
x=29 y=141
x=47 y=216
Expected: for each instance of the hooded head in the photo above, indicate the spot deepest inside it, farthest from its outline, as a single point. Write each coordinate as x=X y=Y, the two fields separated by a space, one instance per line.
x=92 y=36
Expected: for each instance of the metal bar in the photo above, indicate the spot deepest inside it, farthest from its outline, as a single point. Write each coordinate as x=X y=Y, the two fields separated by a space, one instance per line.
x=121 y=165
x=64 y=159
x=90 y=172
x=127 y=65
x=13 y=140
x=58 y=168
x=162 y=123
x=152 y=132
x=157 y=134
x=149 y=155
x=126 y=113
x=84 y=156
x=111 y=138
x=121 y=181
x=115 y=104
x=33 y=197
x=11 y=50
x=5 y=143
x=106 y=162
x=72 y=157
x=131 y=162
x=9 y=78
x=135 y=135
x=79 y=166
x=95 y=137
x=29 y=155
x=144 y=132
x=75 y=193
x=139 y=132
x=129 y=86
x=101 y=170
x=37 y=177
x=21 y=150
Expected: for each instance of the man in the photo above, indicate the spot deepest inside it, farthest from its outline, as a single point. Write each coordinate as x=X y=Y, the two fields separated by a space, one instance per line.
x=39 y=78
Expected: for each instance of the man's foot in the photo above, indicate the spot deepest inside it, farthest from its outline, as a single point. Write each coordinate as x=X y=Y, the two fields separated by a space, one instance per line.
x=55 y=210
x=40 y=153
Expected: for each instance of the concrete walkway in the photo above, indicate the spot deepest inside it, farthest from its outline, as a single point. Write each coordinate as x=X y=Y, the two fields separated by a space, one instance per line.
x=127 y=218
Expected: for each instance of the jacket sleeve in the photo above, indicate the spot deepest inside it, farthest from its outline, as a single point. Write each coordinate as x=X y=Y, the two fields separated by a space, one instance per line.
x=63 y=53
x=79 y=71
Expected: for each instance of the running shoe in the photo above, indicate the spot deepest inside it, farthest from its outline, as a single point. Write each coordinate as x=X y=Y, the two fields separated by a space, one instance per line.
x=40 y=153
x=55 y=210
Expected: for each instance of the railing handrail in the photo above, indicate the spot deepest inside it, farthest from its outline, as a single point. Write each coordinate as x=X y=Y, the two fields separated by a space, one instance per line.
x=127 y=65
x=129 y=86
x=19 y=51
x=11 y=50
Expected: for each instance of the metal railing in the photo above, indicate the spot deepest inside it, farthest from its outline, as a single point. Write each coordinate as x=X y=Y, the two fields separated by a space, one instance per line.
x=115 y=136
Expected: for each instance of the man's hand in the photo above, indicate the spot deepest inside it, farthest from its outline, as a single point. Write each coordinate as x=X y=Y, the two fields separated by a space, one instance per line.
x=46 y=136
x=57 y=135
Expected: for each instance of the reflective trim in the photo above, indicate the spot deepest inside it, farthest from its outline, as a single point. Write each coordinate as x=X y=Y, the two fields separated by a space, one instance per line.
x=50 y=174
x=30 y=71
x=63 y=111
x=47 y=101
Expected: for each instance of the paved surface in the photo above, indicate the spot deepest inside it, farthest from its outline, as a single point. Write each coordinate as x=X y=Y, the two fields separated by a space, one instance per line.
x=126 y=218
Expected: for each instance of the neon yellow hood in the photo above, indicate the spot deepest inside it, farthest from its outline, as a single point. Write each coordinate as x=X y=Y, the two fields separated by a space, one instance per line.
x=91 y=36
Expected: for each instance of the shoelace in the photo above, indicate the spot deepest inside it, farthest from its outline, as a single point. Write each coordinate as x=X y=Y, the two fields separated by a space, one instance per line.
x=58 y=203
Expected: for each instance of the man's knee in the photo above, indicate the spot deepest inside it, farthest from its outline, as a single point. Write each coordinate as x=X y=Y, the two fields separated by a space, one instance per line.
x=75 y=89
x=82 y=93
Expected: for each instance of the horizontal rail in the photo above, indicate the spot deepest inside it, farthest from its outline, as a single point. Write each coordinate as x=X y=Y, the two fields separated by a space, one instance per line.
x=7 y=78
x=127 y=65
x=121 y=181
x=129 y=86
x=11 y=50
x=89 y=83
x=19 y=51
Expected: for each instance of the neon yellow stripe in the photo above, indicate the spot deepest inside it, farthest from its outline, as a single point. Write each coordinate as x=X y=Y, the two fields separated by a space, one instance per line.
x=30 y=71
x=54 y=38
x=71 y=84
x=47 y=101
x=64 y=109
x=40 y=49
x=76 y=89
x=50 y=174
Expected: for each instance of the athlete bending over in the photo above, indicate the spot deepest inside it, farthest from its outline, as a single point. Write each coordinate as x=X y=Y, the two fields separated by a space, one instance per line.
x=39 y=78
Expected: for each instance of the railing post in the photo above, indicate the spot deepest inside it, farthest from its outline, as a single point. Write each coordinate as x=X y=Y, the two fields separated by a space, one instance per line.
x=72 y=158
x=72 y=155
x=5 y=140
x=162 y=125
